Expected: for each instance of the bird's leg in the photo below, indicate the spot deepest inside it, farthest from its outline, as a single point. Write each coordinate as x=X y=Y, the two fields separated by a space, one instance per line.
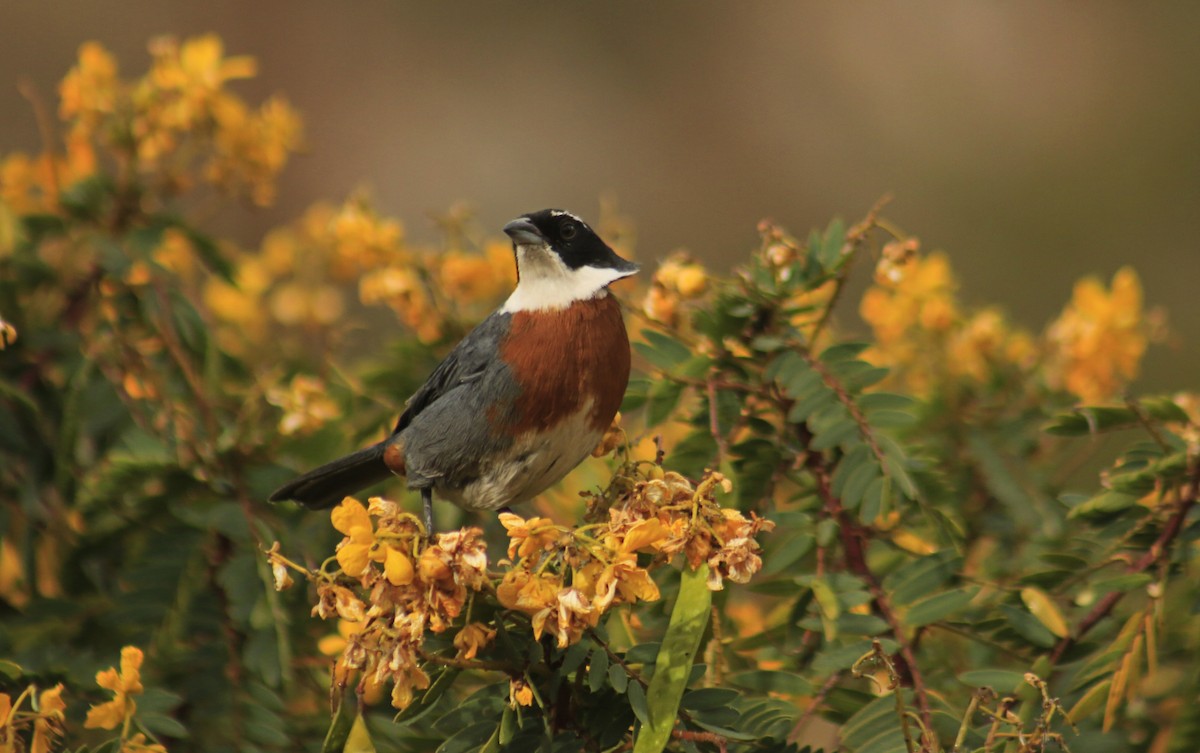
x=427 y=504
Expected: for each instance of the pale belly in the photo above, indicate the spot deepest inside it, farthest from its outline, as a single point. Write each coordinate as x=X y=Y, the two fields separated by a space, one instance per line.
x=533 y=463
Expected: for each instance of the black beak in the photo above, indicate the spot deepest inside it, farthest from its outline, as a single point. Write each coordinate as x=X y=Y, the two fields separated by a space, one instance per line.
x=524 y=233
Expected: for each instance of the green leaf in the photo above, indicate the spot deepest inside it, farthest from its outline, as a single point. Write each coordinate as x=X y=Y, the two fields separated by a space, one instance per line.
x=508 y=725
x=843 y=351
x=1104 y=504
x=662 y=350
x=829 y=253
x=772 y=681
x=858 y=483
x=618 y=678
x=938 y=606
x=1028 y=626
x=469 y=738
x=689 y=619
x=598 y=669
x=886 y=401
x=786 y=549
x=427 y=701
x=1042 y=607
x=359 y=739
x=708 y=698
x=835 y=435
x=661 y=401
x=916 y=579
x=161 y=725
x=815 y=401
x=875 y=500
x=802 y=382
x=637 y=702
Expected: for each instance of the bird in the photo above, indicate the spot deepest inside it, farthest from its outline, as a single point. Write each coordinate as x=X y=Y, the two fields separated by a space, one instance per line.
x=521 y=400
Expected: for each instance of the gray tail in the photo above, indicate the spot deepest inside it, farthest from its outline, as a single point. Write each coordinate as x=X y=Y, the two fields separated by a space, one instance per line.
x=328 y=485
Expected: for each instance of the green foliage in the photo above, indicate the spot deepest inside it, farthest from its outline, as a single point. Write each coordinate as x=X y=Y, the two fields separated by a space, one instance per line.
x=969 y=560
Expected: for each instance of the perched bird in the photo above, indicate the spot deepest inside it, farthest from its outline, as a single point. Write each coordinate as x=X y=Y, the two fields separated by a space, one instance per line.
x=525 y=396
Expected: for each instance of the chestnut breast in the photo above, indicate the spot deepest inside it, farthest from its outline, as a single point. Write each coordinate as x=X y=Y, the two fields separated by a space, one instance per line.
x=564 y=360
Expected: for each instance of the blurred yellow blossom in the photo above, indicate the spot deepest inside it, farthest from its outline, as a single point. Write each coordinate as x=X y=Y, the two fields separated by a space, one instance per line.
x=305 y=403
x=50 y=717
x=252 y=148
x=677 y=279
x=519 y=692
x=404 y=292
x=8 y=334
x=921 y=331
x=136 y=743
x=1097 y=343
x=361 y=240
x=89 y=90
x=124 y=684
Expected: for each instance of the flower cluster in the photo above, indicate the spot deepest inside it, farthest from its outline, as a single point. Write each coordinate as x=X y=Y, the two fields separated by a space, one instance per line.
x=305 y=403
x=46 y=719
x=300 y=273
x=405 y=587
x=47 y=716
x=174 y=127
x=124 y=685
x=677 y=279
x=565 y=578
x=1099 y=339
x=913 y=310
x=394 y=586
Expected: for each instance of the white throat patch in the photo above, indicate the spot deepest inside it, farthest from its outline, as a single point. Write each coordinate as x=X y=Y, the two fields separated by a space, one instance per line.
x=547 y=283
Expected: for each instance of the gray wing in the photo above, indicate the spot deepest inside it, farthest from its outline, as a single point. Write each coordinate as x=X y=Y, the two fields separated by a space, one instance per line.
x=466 y=363
x=445 y=430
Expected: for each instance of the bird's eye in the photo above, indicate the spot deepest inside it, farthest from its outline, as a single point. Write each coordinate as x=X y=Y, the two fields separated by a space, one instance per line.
x=567 y=231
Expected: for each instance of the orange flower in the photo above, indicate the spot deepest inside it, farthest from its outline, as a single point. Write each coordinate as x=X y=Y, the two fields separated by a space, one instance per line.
x=528 y=537
x=124 y=684
x=354 y=553
x=519 y=693
x=48 y=723
x=1100 y=337
x=472 y=638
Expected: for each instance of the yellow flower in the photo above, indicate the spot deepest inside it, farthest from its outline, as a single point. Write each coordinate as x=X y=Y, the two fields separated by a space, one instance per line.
x=624 y=579
x=48 y=723
x=1099 y=339
x=306 y=406
x=643 y=534
x=613 y=438
x=528 y=537
x=137 y=744
x=354 y=553
x=124 y=684
x=472 y=638
x=467 y=278
x=89 y=90
x=519 y=693
x=8 y=334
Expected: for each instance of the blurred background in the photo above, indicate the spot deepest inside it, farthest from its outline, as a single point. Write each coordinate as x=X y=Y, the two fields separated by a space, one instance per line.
x=1036 y=143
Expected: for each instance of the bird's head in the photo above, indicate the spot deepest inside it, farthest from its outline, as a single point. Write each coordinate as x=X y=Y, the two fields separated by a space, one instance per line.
x=560 y=260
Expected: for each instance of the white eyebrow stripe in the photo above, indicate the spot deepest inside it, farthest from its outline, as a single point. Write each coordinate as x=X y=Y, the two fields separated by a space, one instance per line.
x=561 y=213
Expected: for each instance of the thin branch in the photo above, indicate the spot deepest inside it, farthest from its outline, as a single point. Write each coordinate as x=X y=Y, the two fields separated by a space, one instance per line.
x=815 y=704
x=852 y=538
x=854 y=237
x=481 y=664
x=1152 y=556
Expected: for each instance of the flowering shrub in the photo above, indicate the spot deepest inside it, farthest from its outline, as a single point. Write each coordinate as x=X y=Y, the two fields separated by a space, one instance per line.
x=951 y=534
